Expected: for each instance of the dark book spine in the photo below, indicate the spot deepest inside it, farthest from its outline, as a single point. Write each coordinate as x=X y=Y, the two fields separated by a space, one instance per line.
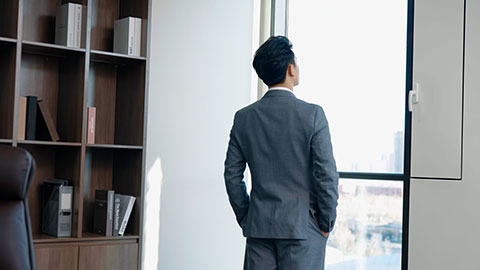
x=31 y=122
x=100 y=212
x=109 y=224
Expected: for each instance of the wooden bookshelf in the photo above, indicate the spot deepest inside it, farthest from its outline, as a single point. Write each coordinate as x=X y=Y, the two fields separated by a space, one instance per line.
x=69 y=80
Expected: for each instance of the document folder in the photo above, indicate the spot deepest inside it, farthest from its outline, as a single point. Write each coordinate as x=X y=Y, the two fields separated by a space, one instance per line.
x=57 y=200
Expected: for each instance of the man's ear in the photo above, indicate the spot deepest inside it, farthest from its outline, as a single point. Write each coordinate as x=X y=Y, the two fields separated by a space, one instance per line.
x=291 y=70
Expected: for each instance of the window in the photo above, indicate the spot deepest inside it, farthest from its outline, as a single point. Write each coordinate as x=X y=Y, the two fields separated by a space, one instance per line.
x=353 y=62
x=352 y=57
x=368 y=230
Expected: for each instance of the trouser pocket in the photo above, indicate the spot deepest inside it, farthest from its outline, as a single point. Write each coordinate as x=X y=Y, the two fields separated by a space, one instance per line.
x=314 y=223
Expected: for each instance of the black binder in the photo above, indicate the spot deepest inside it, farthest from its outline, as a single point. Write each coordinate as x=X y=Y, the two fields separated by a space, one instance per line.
x=57 y=200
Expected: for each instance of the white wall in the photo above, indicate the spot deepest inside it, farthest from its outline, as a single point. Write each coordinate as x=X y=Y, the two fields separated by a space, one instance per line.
x=200 y=74
x=445 y=215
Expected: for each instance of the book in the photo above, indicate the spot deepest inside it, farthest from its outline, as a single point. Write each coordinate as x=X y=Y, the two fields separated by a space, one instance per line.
x=125 y=206
x=143 y=45
x=127 y=35
x=78 y=25
x=31 y=121
x=103 y=212
x=22 y=118
x=116 y=215
x=137 y=31
x=91 y=116
x=48 y=121
x=68 y=25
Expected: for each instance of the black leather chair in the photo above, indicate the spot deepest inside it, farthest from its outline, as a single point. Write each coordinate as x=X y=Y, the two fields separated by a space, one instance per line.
x=16 y=244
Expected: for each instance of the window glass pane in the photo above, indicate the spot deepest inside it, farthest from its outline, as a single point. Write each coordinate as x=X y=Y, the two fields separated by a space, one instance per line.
x=352 y=57
x=368 y=230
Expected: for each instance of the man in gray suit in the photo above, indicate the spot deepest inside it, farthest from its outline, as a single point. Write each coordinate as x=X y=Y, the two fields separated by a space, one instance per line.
x=286 y=143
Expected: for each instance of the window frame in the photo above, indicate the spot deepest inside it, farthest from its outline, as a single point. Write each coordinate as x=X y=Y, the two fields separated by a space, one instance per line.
x=279 y=12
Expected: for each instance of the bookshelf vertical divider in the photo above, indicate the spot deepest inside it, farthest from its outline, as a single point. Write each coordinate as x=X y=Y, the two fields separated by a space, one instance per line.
x=69 y=80
x=18 y=58
x=84 y=119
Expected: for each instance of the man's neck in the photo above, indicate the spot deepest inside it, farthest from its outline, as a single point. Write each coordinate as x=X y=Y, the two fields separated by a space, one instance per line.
x=284 y=85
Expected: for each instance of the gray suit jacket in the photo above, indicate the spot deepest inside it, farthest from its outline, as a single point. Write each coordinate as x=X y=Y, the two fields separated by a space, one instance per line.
x=286 y=144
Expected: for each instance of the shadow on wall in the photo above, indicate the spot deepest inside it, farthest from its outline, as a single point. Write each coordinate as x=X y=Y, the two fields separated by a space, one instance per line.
x=151 y=223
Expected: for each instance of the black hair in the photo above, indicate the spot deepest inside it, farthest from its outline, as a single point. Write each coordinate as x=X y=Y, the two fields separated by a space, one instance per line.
x=272 y=59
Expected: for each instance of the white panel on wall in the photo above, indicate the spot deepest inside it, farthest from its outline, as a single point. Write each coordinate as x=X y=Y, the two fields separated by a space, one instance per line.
x=200 y=74
x=437 y=73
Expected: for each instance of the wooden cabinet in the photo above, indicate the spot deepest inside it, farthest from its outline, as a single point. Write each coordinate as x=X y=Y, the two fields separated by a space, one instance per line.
x=108 y=257
x=69 y=80
x=84 y=255
x=438 y=78
x=56 y=257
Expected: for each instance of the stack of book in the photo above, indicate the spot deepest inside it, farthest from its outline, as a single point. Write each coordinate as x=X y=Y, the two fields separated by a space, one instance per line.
x=112 y=212
x=127 y=36
x=68 y=25
x=33 y=125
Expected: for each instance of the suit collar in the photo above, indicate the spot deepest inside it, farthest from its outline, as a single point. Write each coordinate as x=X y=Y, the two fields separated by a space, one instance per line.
x=278 y=93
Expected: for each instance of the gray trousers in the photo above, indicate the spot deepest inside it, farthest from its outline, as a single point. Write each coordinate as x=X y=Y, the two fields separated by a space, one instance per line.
x=287 y=254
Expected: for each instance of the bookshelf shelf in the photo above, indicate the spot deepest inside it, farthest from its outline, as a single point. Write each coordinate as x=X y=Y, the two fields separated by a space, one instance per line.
x=113 y=169
x=59 y=82
x=53 y=162
x=39 y=19
x=47 y=49
x=107 y=12
x=7 y=40
x=117 y=146
x=97 y=237
x=48 y=143
x=87 y=237
x=68 y=80
x=114 y=58
x=118 y=93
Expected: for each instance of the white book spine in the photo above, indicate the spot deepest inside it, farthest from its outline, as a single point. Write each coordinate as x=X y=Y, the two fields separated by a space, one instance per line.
x=70 y=25
x=74 y=7
x=134 y=34
x=78 y=25
x=138 y=36
x=131 y=35
x=126 y=217
x=127 y=36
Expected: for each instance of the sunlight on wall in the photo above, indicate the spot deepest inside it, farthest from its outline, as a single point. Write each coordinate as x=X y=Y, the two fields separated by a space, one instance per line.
x=151 y=225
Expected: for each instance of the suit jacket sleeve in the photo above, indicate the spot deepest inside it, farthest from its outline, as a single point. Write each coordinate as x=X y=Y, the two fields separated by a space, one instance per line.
x=235 y=164
x=325 y=173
